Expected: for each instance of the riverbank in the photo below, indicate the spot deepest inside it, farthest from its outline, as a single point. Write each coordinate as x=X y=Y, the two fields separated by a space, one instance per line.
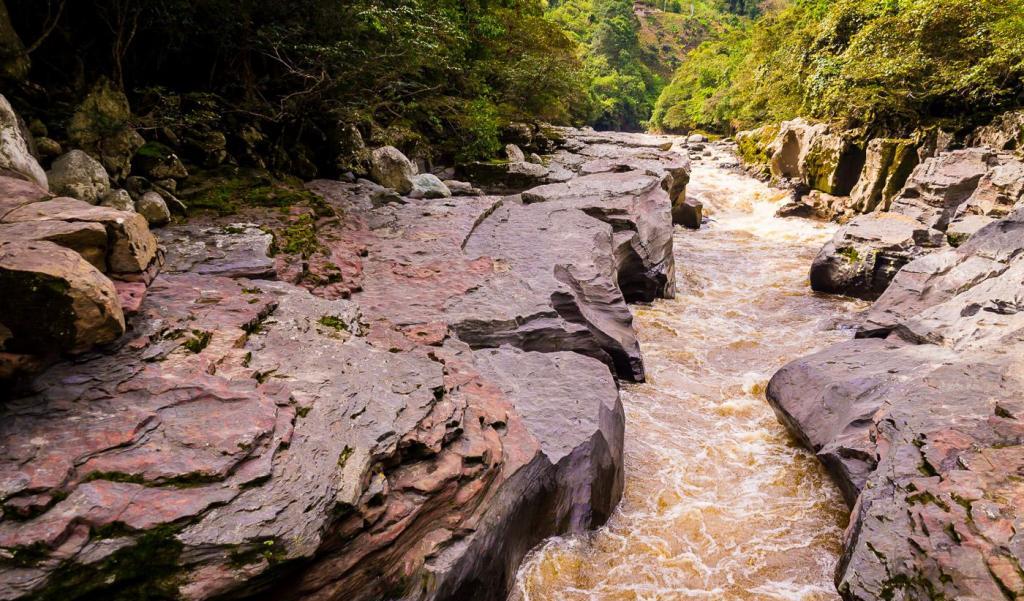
x=326 y=400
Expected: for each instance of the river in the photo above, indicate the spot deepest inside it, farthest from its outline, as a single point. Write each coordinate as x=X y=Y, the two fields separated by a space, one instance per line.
x=720 y=503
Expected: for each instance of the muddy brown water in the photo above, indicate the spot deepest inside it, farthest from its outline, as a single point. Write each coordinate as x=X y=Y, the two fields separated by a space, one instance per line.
x=720 y=504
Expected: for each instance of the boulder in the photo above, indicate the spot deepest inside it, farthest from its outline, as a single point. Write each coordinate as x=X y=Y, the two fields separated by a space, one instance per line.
x=689 y=214
x=153 y=208
x=887 y=166
x=696 y=139
x=939 y=185
x=102 y=126
x=832 y=163
x=459 y=188
x=428 y=185
x=48 y=148
x=209 y=147
x=499 y=176
x=815 y=153
x=132 y=246
x=865 y=254
x=78 y=175
x=158 y=162
x=118 y=199
x=391 y=169
x=997 y=192
x=86 y=238
x=15 y=155
x=755 y=148
x=350 y=150
x=514 y=154
x=675 y=182
x=54 y=300
x=789 y=148
x=817 y=205
x=535 y=158
x=520 y=134
x=1006 y=132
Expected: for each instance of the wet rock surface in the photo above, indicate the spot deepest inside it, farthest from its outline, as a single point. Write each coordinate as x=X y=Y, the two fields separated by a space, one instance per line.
x=919 y=421
x=361 y=401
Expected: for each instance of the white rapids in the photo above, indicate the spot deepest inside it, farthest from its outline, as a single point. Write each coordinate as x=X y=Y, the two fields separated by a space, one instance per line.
x=720 y=503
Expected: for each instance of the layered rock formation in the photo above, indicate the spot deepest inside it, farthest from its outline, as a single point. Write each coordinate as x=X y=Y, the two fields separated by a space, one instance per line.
x=919 y=420
x=946 y=199
x=904 y=197
x=399 y=403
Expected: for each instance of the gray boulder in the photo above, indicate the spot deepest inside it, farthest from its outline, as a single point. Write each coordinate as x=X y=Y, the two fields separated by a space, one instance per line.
x=102 y=126
x=392 y=169
x=689 y=214
x=15 y=156
x=158 y=162
x=459 y=188
x=78 y=175
x=118 y=199
x=1006 y=132
x=499 y=176
x=514 y=154
x=887 y=166
x=428 y=185
x=153 y=208
x=938 y=186
x=864 y=255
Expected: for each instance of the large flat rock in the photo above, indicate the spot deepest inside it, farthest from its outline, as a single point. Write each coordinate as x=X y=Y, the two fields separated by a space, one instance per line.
x=268 y=439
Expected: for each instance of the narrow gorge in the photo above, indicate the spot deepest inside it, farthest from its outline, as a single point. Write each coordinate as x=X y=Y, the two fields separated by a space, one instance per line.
x=511 y=300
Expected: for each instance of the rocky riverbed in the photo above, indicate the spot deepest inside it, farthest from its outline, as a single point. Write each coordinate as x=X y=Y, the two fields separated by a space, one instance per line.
x=919 y=418
x=373 y=395
x=397 y=388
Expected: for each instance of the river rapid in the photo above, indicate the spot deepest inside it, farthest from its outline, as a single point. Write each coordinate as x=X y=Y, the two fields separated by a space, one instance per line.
x=720 y=504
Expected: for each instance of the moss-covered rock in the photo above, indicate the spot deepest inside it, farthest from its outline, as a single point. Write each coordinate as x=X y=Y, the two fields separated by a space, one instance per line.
x=102 y=126
x=157 y=162
x=227 y=191
x=754 y=148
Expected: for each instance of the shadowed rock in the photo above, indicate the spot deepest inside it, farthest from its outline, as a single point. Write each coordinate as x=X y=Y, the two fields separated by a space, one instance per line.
x=55 y=301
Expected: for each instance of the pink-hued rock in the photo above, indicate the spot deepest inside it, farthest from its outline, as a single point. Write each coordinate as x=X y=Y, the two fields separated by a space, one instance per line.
x=133 y=246
x=269 y=439
x=920 y=422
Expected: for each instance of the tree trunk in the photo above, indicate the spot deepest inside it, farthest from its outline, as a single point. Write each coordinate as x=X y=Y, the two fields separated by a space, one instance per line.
x=14 y=62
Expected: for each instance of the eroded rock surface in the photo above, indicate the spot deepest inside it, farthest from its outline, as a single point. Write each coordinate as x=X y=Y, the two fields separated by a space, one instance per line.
x=946 y=199
x=920 y=422
x=399 y=403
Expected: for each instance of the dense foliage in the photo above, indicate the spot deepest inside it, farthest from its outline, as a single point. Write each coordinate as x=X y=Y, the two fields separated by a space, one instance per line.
x=404 y=71
x=630 y=49
x=887 y=64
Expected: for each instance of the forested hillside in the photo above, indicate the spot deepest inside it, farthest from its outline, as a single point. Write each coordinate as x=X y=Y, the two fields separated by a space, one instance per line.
x=630 y=50
x=889 y=65
x=432 y=76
